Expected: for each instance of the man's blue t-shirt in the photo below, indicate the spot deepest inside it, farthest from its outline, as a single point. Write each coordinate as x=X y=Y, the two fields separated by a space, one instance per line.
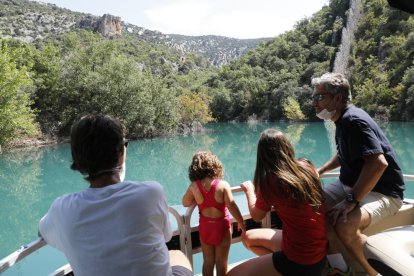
x=358 y=135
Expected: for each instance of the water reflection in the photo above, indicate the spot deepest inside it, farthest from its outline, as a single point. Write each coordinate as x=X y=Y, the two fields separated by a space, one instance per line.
x=20 y=192
x=30 y=180
x=294 y=132
x=400 y=135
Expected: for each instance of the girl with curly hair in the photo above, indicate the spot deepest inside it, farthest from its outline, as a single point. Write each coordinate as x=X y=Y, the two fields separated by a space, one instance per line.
x=214 y=199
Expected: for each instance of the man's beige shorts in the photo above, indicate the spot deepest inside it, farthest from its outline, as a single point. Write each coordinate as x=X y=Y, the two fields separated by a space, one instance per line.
x=379 y=206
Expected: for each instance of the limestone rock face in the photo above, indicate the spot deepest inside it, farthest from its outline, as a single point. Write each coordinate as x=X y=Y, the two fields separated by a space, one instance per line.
x=109 y=25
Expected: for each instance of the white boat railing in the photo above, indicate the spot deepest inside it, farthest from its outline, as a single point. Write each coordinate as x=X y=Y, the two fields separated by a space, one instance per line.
x=180 y=227
x=183 y=231
x=20 y=254
x=407 y=177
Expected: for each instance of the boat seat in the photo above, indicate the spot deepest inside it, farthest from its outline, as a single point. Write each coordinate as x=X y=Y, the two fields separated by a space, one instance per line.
x=391 y=252
x=405 y=216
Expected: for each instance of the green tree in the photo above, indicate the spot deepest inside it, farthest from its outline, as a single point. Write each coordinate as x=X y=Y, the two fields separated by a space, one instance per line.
x=381 y=57
x=407 y=100
x=221 y=105
x=17 y=118
x=46 y=78
x=291 y=109
x=194 y=108
x=93 y=76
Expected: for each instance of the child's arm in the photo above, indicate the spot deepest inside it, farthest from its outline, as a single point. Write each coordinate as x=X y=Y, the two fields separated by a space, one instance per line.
x=188 y=197
x=256 y=213
x=232 y=206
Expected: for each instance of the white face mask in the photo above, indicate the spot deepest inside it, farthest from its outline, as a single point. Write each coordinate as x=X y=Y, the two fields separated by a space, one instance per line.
x=122 y=171
x=325 y=114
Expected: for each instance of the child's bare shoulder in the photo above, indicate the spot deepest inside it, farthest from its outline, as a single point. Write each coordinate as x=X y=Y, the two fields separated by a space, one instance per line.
x=223 y=185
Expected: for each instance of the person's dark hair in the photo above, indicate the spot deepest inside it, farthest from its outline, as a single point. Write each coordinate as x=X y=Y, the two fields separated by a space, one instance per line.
x=276 y=165
x=97 y=143
x=334 y=83
x=205 y=164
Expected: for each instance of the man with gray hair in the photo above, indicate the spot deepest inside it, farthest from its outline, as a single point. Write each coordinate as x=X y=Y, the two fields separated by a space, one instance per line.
x=370 y=185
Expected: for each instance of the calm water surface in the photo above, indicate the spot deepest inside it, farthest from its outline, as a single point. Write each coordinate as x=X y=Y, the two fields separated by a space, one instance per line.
x=31 y=179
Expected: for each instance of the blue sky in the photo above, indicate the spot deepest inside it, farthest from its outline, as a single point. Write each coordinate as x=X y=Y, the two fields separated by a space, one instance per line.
x=232 y=18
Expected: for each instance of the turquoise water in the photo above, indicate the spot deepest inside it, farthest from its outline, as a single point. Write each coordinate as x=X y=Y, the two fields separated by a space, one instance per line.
x=31 y=179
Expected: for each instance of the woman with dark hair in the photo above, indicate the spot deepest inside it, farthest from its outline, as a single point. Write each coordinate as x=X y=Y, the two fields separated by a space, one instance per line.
x=114 y=227
x=292 y=187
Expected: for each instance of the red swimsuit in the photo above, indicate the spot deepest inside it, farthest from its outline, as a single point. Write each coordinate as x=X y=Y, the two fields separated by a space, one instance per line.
x=212 y=230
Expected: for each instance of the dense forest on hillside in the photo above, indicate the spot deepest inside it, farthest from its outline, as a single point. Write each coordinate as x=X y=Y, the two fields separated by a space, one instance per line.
x=156 y=90
x=30 y=21
x=273 y=80
x=382 y=62
x=55 y=81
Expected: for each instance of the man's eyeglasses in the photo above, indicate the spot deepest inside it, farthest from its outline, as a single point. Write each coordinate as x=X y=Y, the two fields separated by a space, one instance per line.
x=318 y=97
x=126 y=141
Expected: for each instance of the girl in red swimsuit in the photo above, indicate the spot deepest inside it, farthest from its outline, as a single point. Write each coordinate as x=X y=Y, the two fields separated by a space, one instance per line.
x=214 y=199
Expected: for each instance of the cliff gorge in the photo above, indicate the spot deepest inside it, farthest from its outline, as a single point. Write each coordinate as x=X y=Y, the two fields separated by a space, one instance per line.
x=30 y=21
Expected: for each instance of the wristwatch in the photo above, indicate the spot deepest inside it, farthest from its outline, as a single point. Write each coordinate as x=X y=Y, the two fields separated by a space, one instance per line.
x=351 y=198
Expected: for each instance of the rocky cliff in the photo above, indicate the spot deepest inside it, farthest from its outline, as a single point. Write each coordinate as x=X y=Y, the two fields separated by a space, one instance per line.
x=218 y=49
x=108 y=25
x=347 y=37
x=30 y=20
